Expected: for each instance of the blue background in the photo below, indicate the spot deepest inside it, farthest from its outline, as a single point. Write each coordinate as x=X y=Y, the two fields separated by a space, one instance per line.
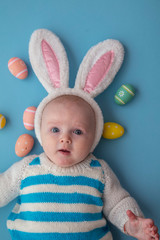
x=81 y=24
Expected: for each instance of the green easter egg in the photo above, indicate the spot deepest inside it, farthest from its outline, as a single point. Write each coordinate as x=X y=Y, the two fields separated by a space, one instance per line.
x=124 y=94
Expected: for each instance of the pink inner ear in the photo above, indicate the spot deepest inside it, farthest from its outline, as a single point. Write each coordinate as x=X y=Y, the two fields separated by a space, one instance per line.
x=51 y=64
x=99 y=71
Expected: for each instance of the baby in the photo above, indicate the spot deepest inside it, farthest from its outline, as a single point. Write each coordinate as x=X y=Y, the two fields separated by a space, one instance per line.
x=67 y=139
x=65 y=192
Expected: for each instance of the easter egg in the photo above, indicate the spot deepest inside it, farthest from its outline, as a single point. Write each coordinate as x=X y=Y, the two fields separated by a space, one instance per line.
x=2 y=121
x=112 y=130
x=28 y=117
x=124 y=94
x=24 y=145
x=18 y=68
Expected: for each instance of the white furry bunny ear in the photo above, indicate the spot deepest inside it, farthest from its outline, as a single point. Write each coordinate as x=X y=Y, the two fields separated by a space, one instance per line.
x=99 y=67
x=49 y=60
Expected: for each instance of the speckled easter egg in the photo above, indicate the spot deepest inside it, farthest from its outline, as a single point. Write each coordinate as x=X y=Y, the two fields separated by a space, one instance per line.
x=18 y=68
x=112 y=130
x=2 y=121
x=24 y=145
x=28 y=117
x=124 y=94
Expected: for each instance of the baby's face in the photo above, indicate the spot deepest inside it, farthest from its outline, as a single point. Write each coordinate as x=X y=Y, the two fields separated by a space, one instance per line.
x=67 y=130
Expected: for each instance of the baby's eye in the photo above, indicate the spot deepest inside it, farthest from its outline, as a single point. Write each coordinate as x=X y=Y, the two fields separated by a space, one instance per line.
x=78 y=132
x=55 y=130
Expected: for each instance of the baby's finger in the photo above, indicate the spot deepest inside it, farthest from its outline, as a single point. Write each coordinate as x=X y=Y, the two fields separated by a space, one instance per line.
x=154 y=229
x=149 y=223
x=157 y=236
x=154 y=233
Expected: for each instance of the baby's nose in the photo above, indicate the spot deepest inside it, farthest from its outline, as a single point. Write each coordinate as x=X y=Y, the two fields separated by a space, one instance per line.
x=66 y=139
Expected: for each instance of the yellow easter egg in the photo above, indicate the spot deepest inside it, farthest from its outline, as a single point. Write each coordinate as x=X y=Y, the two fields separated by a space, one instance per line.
x=112 y=130
x=2 y=121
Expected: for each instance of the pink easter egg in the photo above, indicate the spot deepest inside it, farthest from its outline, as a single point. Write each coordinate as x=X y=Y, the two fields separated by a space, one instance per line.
x=28 y=117
x=18 y=68
x=24 y=145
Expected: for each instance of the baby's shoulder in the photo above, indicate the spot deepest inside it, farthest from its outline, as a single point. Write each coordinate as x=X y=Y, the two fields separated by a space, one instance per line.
x=28 y=159
x=23 y=163
x=107 y=171
x=99 y=162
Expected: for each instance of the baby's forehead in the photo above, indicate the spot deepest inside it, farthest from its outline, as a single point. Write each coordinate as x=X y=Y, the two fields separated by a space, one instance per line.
x=69 y=101
x=72 y=106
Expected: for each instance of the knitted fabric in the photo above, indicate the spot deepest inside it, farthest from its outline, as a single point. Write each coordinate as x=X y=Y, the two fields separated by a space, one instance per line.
x=64 y=203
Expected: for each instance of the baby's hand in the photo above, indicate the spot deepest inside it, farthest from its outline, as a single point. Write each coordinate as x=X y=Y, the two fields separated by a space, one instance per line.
x=140 y=228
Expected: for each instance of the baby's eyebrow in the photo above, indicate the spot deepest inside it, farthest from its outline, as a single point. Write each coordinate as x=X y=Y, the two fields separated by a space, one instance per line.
x=76 y=124
x=54 y=122
x=82 y=125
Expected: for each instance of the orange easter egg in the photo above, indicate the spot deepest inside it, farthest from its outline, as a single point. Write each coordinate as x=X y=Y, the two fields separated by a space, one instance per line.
x=18 y=68
x=24 y=145
x=28 y=117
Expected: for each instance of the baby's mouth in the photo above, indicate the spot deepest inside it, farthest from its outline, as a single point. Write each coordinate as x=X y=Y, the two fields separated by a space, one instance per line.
x=64 y=151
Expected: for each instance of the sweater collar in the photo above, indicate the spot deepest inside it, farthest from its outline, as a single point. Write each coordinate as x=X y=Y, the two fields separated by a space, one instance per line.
x=79 y=167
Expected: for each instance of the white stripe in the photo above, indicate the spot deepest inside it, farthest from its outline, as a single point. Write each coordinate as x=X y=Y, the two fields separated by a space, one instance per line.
x=25 y=70
x=30 y=110
x=54 y=172
x=61 y=189
x=56 y=207
x=128 y=90
x=119 y=99
x=16 y=208
x=28 y=124
x=58 y=227
x=13 y=61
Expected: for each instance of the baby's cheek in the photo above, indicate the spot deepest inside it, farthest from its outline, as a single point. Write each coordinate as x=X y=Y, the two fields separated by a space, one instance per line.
x=47 y=143
x=83 y=152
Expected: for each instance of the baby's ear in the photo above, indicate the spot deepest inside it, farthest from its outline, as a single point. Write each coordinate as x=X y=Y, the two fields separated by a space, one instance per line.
x=49 y=59
x=99 y=67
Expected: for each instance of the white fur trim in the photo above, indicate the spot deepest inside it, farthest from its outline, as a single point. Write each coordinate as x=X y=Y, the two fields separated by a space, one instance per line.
x=76 y=92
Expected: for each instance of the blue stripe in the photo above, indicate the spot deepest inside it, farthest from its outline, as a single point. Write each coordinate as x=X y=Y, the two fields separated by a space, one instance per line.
x=95 y=234
x=35 y=161
x=67 y=198
x=95 y=163
x=62 y=180
x=56 y=216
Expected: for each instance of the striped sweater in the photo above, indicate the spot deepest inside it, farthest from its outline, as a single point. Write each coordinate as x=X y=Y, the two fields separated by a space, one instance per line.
x=64 y=203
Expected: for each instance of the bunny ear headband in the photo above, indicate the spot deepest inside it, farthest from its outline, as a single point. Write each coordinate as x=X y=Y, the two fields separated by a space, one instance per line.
x=97 y=70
